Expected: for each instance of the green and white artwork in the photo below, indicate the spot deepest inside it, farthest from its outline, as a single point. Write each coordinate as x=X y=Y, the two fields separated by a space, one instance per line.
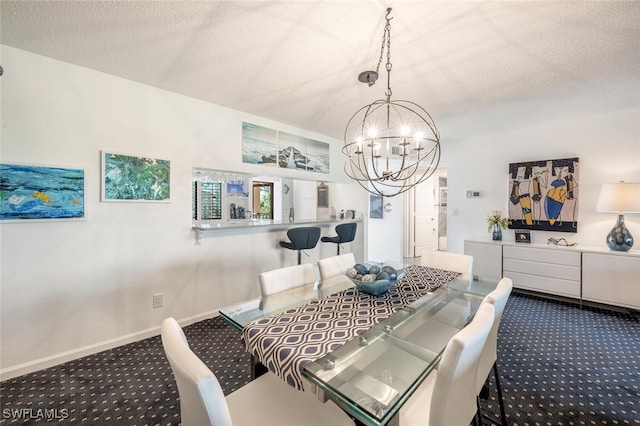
x=131 y=178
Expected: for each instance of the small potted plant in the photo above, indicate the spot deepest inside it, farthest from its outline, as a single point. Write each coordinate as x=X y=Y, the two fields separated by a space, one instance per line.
x=496 y=224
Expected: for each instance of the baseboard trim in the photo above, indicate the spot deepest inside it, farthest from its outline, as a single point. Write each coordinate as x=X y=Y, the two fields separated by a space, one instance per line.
x=62 y=357
x=581 y=303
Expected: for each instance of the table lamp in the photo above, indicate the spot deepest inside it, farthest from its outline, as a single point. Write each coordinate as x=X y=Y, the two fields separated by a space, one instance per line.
x=619 y=198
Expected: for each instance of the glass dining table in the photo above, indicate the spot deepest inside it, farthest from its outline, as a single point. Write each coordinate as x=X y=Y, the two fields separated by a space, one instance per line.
x=374 y=373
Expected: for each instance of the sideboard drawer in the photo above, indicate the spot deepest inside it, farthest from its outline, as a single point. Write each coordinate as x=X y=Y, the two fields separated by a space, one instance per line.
x=550 y=270
x=555 y=286
x=547 y=255
x=547 y=270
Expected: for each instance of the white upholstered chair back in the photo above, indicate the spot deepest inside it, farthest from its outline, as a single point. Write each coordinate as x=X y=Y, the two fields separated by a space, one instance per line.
x=202 y=401
x=267 y=400
x=498 y=298
x=286 y=278
x=447 y=396
x=456 y=262
x=335 y=265
x=453 y=401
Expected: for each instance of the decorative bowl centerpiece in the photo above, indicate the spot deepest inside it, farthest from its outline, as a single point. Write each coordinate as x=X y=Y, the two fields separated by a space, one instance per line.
x=374 y=279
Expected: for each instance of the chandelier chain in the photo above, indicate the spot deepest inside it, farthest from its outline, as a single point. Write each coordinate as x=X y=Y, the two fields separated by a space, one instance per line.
x=388 y=66
x=386 y=37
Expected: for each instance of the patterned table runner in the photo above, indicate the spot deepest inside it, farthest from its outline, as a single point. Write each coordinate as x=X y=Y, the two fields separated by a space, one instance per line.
x=286 y=342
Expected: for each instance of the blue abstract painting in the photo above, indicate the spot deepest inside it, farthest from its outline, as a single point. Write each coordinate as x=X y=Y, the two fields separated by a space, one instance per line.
x=35 y=192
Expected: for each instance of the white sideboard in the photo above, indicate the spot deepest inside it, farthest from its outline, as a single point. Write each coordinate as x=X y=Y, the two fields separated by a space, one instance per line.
x=611 y=279
x=591 y=274
x=487 y=258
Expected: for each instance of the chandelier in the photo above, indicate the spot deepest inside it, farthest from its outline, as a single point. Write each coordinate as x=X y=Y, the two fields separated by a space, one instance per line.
x=391 y=145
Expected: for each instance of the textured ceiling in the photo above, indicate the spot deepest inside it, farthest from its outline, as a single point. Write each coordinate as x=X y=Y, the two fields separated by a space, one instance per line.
x=297 y=62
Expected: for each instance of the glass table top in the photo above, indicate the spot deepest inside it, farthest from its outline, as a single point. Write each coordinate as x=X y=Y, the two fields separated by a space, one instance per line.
x=240 y=315
x=374 y=374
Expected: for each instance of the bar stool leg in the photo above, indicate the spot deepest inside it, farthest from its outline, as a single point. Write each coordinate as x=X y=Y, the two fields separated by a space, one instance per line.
x=299 y=257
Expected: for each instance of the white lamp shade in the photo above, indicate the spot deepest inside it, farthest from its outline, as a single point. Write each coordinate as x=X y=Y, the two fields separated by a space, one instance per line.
x=619 y=197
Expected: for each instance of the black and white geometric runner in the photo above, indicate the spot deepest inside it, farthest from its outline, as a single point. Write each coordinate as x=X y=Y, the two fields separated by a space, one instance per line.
x=286 y=342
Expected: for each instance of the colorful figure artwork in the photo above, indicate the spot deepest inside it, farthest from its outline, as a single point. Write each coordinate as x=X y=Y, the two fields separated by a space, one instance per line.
x=544 y=195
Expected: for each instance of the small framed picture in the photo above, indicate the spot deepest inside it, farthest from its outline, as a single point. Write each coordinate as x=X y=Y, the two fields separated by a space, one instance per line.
x=523 y=236
x=323 y=195
x=375 y=206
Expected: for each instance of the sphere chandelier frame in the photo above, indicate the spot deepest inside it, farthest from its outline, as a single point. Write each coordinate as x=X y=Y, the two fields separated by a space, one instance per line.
x=391 y=145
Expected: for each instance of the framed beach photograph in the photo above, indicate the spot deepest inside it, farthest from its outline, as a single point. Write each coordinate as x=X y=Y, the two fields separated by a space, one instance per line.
x=41 y=193
x=275 y=148
x=259 y=145
x=133 y=178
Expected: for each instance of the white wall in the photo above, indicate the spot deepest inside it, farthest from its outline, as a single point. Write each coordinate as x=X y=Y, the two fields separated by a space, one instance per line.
x=305 y=199
x=69 y=288
x=601 y=127
x=386 y=234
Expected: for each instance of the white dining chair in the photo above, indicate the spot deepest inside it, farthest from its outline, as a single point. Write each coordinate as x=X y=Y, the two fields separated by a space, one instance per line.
x=458 y=311
x=489 y=358
x=447 y=397
x=286 y=278
x=266 y=400
x=335 y=265
x=462 y=263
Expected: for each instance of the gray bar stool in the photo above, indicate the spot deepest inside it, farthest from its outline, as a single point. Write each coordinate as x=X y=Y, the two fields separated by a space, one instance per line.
x=303 y=238
x=346 y=233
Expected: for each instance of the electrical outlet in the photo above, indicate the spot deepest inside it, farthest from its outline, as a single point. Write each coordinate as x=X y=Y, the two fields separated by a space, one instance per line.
x=157 y=300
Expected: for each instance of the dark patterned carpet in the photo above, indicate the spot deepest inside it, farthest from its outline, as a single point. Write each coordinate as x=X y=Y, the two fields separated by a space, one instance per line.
x=559 y=365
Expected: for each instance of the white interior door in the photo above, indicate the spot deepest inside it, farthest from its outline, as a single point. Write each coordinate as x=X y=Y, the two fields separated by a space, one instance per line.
x=440 y=211
x=425 y=223
x=425 y=218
